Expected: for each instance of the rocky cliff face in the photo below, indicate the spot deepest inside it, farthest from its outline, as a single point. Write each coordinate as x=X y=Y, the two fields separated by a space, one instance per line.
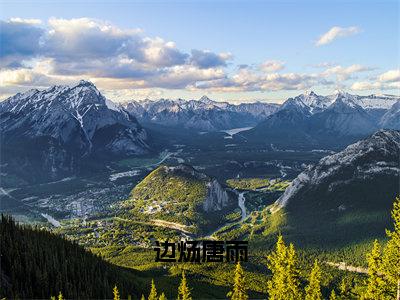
x=217 y=197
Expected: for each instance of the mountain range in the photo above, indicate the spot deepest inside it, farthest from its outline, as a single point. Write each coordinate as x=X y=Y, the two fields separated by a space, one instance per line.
x=203 y=114
x=58 y=130
x=337 y=120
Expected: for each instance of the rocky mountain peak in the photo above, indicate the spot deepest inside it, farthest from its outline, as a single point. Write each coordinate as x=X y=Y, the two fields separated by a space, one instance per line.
x=295 y=105
x=205 y=99
x=376 y=155
x=78 y=119
x=87 y=83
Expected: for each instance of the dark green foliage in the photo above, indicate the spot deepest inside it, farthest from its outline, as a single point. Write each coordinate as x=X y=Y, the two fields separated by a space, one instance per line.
x=37 y=264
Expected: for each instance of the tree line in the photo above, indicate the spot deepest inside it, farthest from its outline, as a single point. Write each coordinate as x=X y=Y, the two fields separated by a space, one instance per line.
x=36 y=263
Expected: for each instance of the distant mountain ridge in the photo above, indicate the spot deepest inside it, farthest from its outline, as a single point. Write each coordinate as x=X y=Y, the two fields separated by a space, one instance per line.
x=307 y=117
x=203 y=114
x=311 y=120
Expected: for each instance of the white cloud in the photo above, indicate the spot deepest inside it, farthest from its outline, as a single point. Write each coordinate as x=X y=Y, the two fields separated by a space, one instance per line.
x=26 y=21
x=365 y=85
x=390 y=76
x=385 y=81
x=90 y=48
x=345 y=73
x=206 y=59
x=368 y=85
x=270 y=66
x=62 y=51
x=336 y=32
x=248 y=80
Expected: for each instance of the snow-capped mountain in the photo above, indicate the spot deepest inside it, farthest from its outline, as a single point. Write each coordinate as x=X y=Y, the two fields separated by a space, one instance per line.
x=314 y=102
x=62 y=124
x=286 y=127
x=202 y=114
x=360 y=163
x=376 y=101
x=391 y=119
x=343 y=118
x=337 y=119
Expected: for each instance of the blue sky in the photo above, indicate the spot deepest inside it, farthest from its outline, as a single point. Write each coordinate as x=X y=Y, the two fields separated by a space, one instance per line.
x=229 y=50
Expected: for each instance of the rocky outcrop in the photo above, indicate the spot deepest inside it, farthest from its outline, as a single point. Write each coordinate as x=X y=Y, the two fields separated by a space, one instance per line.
x=217 y=197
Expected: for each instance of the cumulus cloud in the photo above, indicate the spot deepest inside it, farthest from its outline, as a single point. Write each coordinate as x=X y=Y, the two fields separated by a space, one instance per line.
x=19 y=40
x=390 y=76
x=385 y=81
x=85 y=47
x=61 y=51
x=26 y=21
x=249 y=80
x=368 y=85
x=336 y=32
x=270 y=66
x=345 y=73
x=206 y=59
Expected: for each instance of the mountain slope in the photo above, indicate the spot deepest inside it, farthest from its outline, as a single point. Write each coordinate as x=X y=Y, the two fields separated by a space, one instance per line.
x=58 y=127
x=343 y=118
x=286 y=127
x=181 y=195
x=391 y=119
x=346 y=193
x=36 y=264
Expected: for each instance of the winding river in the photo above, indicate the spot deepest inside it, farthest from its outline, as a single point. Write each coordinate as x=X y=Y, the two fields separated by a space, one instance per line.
x=241 y=200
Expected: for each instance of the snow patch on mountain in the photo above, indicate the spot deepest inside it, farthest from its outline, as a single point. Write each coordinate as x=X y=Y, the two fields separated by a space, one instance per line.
x=375 y=155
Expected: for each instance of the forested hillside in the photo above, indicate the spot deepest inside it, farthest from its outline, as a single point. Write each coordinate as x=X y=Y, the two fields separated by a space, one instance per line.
x=37 y=264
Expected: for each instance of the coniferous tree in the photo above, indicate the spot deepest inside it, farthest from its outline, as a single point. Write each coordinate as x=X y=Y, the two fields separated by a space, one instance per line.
x=35 y=259
x=184 y=290
x=333 y=295
x=344 y=289
x=116 y=293
x=60 y=296
x=375 y=283
x=142 y=298
x=153 y=291
x=162 y=297
x=313 y=290
x=391 y=255
x=239 y=286
x=284 y=283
